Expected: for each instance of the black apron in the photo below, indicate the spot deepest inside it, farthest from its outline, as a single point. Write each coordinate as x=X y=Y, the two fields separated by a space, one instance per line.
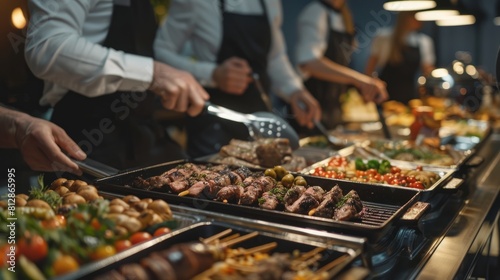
x=247 y=37
x=118 y=129
x=339 y=49
x=400 y=78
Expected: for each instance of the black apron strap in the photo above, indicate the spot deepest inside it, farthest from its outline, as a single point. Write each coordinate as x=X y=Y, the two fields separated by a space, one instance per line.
x=400 y=78
x=338 y=50
x=248 y=37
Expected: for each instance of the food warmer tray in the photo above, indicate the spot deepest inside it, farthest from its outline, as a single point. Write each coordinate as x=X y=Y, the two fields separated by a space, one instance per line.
x=446 y=181
x=460 y=148
x=383 y=205
x=335 y=246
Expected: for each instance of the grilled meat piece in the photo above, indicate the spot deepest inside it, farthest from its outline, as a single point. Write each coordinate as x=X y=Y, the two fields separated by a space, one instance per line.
x=203 y=188
x=134 y=271
x=255 y=187
x=231 y=193
x=329 y=203
x=272 y=152
x=293 y=194
x=269 y=201
x=308 y=200
x=251 y=195
x=352 y=208
x=158 y=267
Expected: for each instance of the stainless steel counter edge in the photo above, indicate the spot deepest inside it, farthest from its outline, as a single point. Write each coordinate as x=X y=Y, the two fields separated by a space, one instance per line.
x=463 y=234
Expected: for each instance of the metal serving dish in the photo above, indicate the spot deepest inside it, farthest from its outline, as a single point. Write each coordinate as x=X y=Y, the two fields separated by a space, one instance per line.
x=335 y=246
x=383 y=205
x=458 y=141
x=354 y=152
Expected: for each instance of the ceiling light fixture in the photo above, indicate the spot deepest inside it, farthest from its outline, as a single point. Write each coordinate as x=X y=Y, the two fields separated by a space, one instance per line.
x=444 y=8
x=457 y=20
x=409 y=5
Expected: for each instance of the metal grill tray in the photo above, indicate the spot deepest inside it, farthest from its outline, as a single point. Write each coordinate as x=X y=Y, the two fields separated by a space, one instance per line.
x=286 y=243
x=384 y=205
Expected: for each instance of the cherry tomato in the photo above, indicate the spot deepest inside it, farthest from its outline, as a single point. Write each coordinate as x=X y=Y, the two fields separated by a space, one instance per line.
x=95 y=224
x=161 y=231
x=121 y=245
x=419 y=185
x=102 y=252
x=4 y=253
x=34 y=247
x=419 y=168
x=64 y=264
x=139 y=237
x=58 y=221
x=395 y=169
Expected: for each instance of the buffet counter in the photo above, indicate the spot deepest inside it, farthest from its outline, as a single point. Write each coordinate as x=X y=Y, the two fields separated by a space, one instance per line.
x=462 y=248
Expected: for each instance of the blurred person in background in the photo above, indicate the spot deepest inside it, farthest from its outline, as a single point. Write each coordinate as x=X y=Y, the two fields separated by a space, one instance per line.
x=96 y=59
x=323 y=52
x=230 y=41
x=398 y=54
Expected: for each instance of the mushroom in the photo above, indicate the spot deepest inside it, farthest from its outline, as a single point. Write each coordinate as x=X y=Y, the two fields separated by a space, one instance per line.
x=161 y=208
x=20 y=202
x=116 y=208
x=77 y=184
x=71 y=198
x=146 y=217
x=58 y=182
x=86 y=187
x=38 y=203
x=89 y=195
x=62 y=190
x=131 y=199
x=22 y=195
x=118 y=201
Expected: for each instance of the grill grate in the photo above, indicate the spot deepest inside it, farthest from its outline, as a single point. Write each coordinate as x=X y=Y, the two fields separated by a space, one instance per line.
x=377 y=214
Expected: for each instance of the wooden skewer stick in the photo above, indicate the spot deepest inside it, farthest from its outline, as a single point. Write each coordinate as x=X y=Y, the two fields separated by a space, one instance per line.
x=239 y=239
x=332 y=264
x=214 y=237
x=311 y=253
x=261 y=248
x=230 y=237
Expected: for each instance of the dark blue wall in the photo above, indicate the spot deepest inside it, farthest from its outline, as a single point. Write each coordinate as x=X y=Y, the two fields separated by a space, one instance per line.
x=481 y=39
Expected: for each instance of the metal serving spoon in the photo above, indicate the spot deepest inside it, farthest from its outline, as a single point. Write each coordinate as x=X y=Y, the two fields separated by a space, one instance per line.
x=337 y=143
x=259 y=124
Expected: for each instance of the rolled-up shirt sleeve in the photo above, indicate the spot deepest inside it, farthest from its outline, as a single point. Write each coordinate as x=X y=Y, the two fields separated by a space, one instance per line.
x=284 y=79
x=57 y=52
x=172 y=36
x=312 y=34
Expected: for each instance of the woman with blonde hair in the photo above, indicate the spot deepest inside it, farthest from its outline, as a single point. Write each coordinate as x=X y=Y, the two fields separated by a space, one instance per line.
x=398 y=54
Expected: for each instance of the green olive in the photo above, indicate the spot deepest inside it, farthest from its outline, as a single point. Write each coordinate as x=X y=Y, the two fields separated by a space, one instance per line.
x=280 y=172
x=287 y=180
x=270 y=172
x=300 y=181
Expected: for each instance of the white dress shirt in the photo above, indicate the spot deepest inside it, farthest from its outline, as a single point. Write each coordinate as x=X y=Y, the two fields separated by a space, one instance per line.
x=63 y=48
x=381 y=46
x=314 y=23
x=197 y=24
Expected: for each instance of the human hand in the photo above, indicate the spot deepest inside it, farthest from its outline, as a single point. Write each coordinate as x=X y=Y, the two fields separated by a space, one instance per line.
x=179 y=90
x=233 y=75
x=42 y=145
x=373 y=89
x=305 y=108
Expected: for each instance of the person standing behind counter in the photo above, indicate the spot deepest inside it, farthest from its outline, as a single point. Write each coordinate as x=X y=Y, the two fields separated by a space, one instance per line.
x=398 y=54
x=95 y=57
x=230 y=41
x=325 y=44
